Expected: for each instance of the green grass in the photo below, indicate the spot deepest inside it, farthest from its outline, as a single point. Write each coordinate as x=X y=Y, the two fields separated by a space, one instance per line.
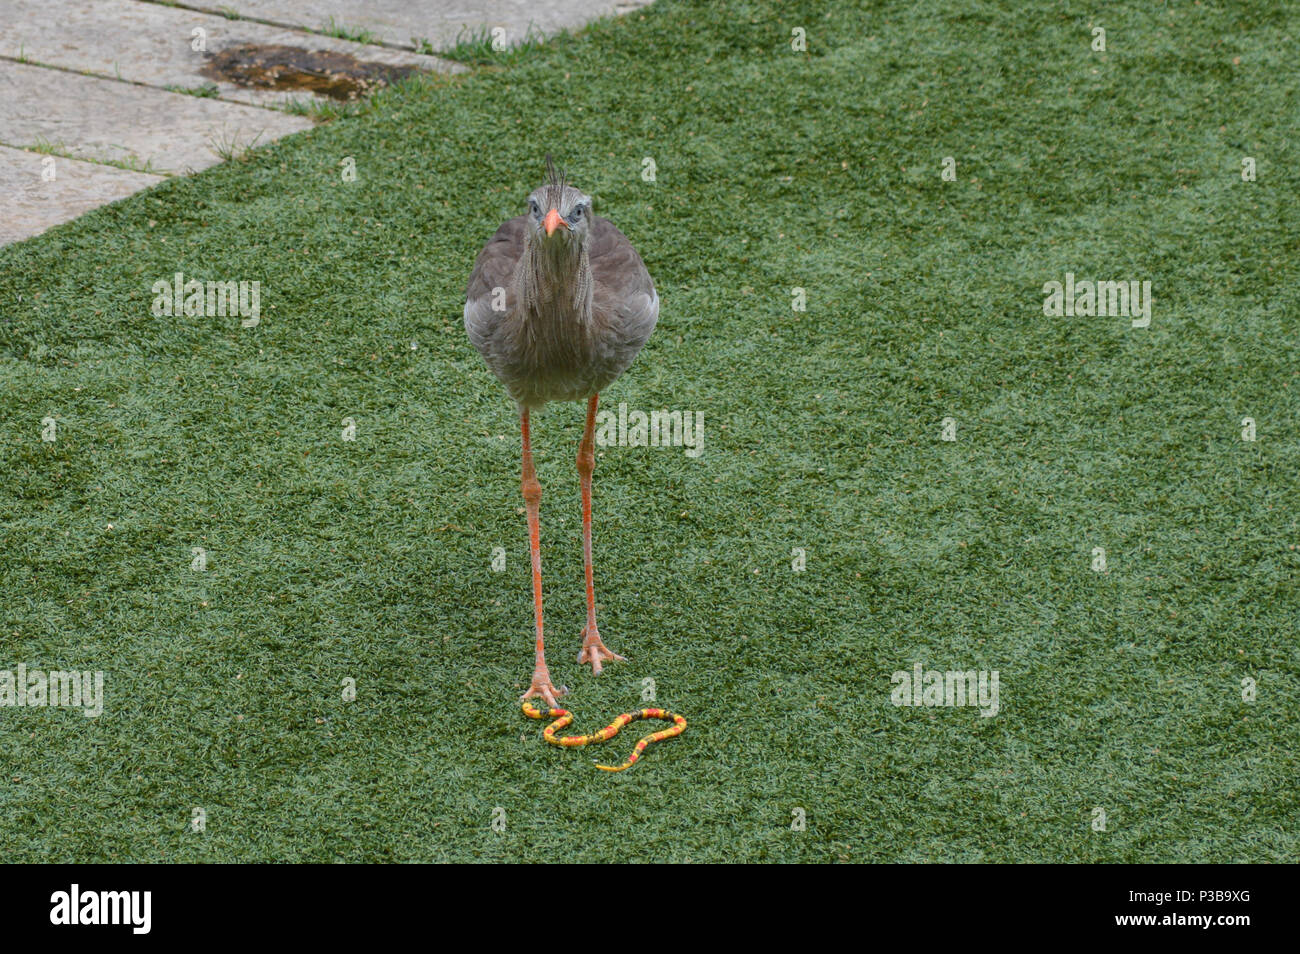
x=130 y=163
x=371 y=559
x=204 y=91
x=325 y=110
x=226 y=145
x=476 y=47
x=343 y=32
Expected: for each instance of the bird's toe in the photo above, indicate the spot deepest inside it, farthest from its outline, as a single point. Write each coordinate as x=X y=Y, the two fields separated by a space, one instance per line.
x=594 y=651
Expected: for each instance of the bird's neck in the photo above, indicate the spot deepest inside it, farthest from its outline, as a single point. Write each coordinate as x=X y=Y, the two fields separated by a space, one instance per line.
x=555 y=283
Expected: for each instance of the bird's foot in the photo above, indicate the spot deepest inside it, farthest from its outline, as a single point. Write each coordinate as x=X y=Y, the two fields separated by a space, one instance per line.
x=596 y=652
x=544 y=688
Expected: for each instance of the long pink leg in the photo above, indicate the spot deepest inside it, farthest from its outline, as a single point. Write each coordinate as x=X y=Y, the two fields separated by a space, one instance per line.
x=542 y=685
x=593 y=650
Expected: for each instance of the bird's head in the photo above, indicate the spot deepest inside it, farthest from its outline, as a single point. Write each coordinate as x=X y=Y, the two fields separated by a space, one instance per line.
x=560 y=215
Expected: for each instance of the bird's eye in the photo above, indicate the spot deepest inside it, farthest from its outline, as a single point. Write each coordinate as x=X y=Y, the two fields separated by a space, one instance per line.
x=534 y=208
x=576 y=213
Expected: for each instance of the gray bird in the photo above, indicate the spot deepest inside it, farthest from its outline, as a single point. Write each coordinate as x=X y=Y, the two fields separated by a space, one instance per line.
x=559 y=304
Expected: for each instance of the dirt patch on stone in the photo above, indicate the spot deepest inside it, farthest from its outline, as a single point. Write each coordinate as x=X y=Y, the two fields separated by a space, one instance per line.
x=336 y=75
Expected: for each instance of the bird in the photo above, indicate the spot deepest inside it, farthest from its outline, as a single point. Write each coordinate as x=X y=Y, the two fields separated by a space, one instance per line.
x=559 y=304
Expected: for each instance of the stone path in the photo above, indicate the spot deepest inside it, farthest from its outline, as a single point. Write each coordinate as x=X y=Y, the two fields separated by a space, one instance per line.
x=441 y=23
x=103 y=98
x=145 y=128
x=40 y=192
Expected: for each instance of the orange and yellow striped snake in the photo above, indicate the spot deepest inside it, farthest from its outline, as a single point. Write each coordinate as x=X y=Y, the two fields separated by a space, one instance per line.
x=563 y=718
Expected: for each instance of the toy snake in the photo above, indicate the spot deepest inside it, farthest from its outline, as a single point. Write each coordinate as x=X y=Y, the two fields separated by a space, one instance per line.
x=563 y=718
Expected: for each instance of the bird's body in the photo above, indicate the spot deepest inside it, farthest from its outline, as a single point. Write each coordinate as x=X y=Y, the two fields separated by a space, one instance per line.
x=559 y=306
x=565 y=324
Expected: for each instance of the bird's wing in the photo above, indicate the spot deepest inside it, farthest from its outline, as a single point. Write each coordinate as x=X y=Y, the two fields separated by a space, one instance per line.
x=493 y=270
x=624 y=300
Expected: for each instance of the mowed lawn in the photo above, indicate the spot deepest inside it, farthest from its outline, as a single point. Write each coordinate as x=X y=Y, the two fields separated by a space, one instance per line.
x=1126 y=691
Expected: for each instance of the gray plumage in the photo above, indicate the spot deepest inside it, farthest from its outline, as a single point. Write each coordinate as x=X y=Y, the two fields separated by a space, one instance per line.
x=558 y=317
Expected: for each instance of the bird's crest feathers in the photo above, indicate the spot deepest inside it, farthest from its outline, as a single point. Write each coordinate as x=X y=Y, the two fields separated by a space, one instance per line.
x=556 y=182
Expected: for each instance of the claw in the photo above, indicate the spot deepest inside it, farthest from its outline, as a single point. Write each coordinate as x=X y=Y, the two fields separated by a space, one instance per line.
x=596 y=652
x=544 y=688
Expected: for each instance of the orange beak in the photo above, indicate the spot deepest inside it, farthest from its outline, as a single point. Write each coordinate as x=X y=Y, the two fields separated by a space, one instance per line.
x=553 y=221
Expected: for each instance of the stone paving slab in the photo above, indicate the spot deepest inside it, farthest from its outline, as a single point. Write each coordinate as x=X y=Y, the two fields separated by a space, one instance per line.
x=440 y=22
x=109 y=121
x=153 y=44
x=39 y=192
